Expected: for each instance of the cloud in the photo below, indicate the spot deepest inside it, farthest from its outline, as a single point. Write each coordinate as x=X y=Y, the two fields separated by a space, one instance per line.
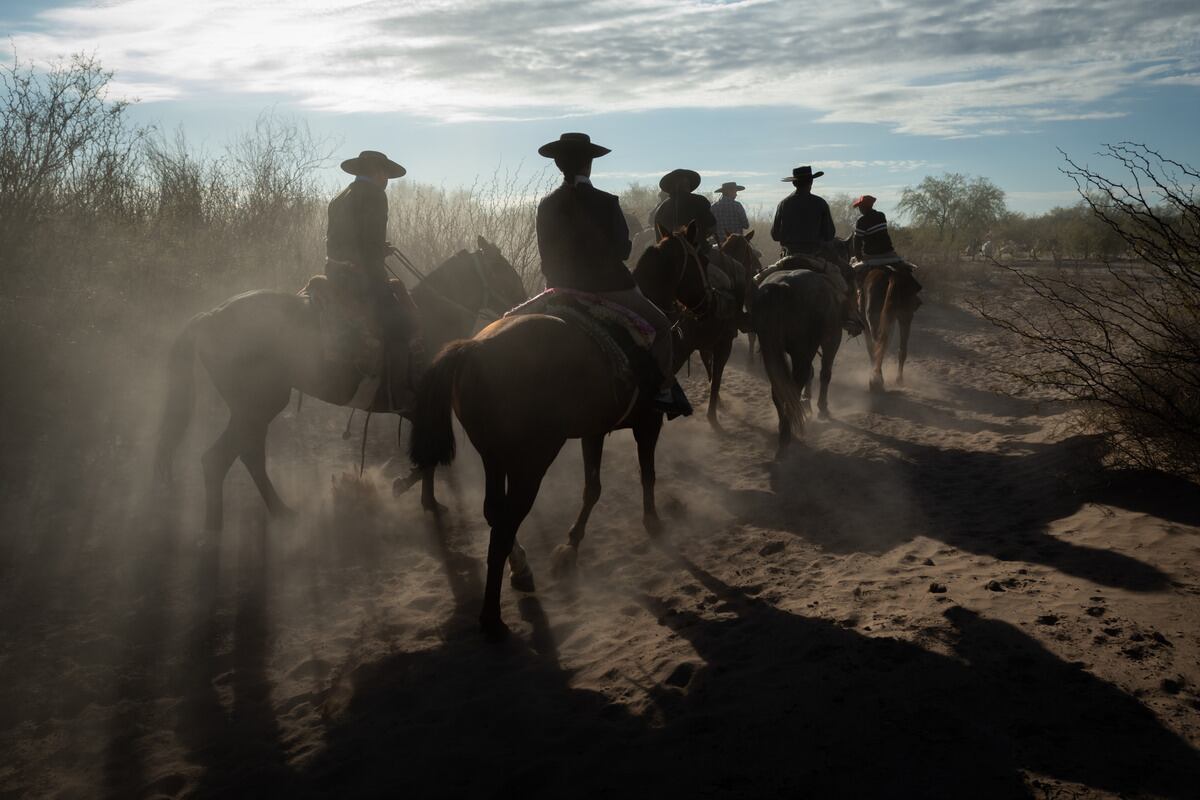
x=926 y=67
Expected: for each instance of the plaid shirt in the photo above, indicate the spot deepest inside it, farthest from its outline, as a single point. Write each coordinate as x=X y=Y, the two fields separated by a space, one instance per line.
x=731 y=217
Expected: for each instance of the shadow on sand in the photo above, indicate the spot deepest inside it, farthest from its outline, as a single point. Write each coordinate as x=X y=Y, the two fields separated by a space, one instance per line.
x=992 y=503
x=781 y=705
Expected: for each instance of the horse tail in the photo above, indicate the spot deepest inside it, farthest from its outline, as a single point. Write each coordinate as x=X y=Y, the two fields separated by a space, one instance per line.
x=181 y=389
x=432 y=440
x=772 y=314
x=885 y=321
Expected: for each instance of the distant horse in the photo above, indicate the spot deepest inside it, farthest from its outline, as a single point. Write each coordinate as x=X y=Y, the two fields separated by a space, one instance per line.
x=260 y=345
x=797 y=313
x=712 y=333
x=524 y=386
x=887 y=295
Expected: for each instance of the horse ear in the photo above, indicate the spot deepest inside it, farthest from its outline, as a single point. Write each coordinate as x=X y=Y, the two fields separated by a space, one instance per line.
x=483 y=244
x=662 y=231
x=749 y=235
x=692 y=230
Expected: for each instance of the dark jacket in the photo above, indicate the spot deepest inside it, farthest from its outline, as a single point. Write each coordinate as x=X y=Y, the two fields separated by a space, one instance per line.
x=802 y=222
x=871 y=235
x=678 y=210
x=357 y=229
x=583 y=240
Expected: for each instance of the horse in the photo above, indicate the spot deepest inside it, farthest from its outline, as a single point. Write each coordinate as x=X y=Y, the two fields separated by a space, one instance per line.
x=887 y=294
x=526 y=384
x=837 y=250
x=259 y=345
x=796 y=313
x=713 y=333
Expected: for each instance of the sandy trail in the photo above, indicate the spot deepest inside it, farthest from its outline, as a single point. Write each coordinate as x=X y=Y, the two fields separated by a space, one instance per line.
x=939 y=595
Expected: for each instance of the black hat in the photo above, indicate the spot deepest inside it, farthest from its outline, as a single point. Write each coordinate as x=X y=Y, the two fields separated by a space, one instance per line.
x=804 y=173
x=573 y=144
x=737 y=187
x=679 y=181
x=371 y=161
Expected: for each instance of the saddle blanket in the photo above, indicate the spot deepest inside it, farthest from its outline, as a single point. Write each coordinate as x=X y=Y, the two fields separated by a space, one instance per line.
x=622 y=335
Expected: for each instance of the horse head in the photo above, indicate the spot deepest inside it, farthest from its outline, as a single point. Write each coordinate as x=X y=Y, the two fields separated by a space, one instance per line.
x=673 y=270
x=503 y=287
x=737 y=246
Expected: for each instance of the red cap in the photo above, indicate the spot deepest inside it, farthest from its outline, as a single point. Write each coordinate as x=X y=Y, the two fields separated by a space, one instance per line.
x=866 y=200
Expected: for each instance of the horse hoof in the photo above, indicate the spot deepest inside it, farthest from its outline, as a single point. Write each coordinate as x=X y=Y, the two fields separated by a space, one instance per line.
x=653 y=525
x=494 y=630
x=523 y=581
x=564 y=563
x=823 y=413
x=876 y=386
x=434 y=507
x=285 y=514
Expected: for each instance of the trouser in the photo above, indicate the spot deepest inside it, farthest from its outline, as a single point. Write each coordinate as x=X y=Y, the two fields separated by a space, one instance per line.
x=638 y=303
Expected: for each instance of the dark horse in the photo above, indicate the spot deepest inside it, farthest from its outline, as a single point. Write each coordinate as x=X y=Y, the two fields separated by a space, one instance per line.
x=524 y=386
x=260 y=345
x=796 y=313
x=712 y=333
x=887 y=295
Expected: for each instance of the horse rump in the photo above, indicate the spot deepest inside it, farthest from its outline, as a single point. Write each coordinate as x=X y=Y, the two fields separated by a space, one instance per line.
x=432 y=440
x=773 y=320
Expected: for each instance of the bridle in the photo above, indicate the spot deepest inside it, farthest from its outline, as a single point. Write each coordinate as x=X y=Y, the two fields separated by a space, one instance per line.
x=692 y=255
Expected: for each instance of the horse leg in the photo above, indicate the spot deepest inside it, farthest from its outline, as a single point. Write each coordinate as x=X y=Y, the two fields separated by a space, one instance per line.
x=802 y=374
x=565 y=555
x=720 y=356
x=750 y=348
x=254 y=457
x=707 y=360
x=785 y=425
x=828 y=353
x=646 y=433
x=216 y=462
x=905 y=323
x=523 y=484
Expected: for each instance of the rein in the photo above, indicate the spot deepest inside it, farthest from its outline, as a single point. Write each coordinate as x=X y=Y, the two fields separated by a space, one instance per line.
x=704 y=307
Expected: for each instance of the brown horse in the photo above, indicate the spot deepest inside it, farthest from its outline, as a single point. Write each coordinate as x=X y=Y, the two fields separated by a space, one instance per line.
x=712 y=334
x=524 y=386
x=258 y=346
x=887 y=295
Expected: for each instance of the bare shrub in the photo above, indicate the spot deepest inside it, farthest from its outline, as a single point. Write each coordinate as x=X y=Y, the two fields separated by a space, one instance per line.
x=1125 y=340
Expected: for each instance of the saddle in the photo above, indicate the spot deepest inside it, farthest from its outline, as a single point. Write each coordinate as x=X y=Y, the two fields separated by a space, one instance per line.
x=623 y=336
x=351 y=333
x=830 y=270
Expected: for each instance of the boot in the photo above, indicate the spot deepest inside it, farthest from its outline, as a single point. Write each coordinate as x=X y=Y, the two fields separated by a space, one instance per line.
x=673 y=402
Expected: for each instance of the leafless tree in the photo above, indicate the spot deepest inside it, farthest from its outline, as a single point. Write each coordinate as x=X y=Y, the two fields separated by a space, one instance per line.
x=1126 y=341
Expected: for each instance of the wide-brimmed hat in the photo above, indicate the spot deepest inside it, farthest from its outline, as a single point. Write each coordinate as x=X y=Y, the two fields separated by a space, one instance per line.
x=866 y=200
x=679 y=181
x=573 y=144
x=804 y=173
x=369 y=162
x=737 y=187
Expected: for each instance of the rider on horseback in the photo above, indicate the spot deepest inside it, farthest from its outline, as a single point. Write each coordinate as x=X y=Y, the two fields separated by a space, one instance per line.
x=872 y=243
x=355 y=248
x=583 y=241
x=804 y=226
x=681 y=207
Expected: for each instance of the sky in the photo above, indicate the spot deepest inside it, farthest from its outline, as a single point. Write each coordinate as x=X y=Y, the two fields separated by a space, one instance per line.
x=876 y=94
